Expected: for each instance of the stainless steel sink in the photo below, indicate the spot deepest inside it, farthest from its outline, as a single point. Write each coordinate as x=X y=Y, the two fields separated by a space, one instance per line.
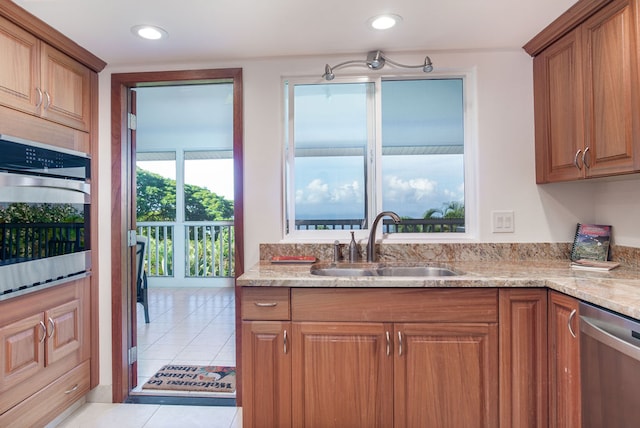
x=415 y=271
x=380 y=269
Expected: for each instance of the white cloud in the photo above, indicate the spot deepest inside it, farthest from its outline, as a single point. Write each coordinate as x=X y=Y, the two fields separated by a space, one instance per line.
x=318 y=192
x=414 y=189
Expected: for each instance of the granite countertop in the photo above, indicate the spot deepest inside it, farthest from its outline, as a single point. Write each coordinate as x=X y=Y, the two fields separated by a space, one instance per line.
x=617 y=290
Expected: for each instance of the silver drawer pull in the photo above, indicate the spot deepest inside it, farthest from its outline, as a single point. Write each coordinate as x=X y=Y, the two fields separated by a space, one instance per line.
x=571 y=316
x=75 y=387
x=266 y=304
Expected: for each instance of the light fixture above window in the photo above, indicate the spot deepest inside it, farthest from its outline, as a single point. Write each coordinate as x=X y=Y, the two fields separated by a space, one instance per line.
x=384 y=22
x=375 y=61
x=149 y=32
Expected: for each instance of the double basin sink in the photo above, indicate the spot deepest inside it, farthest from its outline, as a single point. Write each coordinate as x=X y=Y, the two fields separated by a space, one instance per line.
x=381 y=269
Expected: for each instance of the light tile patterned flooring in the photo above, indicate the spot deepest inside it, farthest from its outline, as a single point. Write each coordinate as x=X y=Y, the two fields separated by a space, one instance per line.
x=188 y=326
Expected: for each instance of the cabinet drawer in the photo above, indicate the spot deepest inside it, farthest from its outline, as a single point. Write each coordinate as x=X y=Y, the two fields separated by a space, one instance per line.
x=395 y=304
x=49 y=402
x=265 y=303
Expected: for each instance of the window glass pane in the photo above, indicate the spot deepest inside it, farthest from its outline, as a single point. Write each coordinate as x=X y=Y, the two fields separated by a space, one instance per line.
x=423 y=154
x=330 y=133
x=156 y=186
x=208 y=185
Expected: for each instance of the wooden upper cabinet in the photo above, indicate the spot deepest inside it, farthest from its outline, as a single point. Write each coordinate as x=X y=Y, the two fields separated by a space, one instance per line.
x=586 y=95
x=19 y=76
x=67 y=89
x=39 y=79
x=558 y=96
x=611 y=90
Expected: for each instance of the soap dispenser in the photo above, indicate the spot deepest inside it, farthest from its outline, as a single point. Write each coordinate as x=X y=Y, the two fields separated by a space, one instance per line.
x=353 y=250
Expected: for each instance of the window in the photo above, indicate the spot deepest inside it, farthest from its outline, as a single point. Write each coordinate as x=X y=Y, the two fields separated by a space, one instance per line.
x=357 y=147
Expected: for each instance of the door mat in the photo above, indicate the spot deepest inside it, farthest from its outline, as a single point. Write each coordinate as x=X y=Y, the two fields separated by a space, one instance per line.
x=194 y=378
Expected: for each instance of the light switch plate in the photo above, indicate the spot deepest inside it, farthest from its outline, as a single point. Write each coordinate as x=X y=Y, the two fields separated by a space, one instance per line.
x=503 y=222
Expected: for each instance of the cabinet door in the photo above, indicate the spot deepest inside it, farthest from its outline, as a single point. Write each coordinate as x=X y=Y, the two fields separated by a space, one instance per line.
x=446 y=375
x=67 y=89
x=564 y=362
x=64 y=335
x=523 y=358
x=22 y=350
x=19 y=68
x=611 y=79
x=342 y=375
x=266 y=374
x=558 y=103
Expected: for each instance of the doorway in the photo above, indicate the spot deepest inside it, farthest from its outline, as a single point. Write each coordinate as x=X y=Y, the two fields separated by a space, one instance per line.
x=124 y=150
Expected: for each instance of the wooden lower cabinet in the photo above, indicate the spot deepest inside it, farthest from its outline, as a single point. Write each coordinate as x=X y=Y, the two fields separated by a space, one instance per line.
x=445 y=375
x=266 y=364
x=342 y=375
x=44 y=336
x=410 y=357
x=523 y=358
x=564 y=362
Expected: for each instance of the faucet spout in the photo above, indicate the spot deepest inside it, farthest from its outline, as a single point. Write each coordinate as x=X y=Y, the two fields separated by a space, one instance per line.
x=371 y=255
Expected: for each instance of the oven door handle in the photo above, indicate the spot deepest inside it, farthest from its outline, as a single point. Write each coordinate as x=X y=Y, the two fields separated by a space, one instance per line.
x=588 y=327
x=19 y=180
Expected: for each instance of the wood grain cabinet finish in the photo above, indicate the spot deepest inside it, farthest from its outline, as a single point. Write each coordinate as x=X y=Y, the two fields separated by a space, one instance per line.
x=564 y=362
x=43 y=336
x=523 y=358
x=586 y=95
x=39 y=79
x=374 y=358
x=266 y=374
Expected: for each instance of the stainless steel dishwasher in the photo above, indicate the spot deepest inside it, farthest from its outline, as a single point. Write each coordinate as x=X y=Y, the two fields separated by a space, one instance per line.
x=610 y=368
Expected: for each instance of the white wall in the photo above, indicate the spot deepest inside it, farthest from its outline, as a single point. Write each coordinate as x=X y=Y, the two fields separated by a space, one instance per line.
x=505 y=148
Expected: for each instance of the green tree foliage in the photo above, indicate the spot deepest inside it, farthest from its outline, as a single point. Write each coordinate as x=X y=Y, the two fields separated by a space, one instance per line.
x=155 y=197
x=19 y=212
x=156 y=200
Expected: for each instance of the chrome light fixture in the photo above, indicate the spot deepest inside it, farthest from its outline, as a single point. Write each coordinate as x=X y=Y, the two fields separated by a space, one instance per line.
x=375 y=61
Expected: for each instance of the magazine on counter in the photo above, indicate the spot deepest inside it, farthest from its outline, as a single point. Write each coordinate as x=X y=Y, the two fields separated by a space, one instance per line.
x=592 y=242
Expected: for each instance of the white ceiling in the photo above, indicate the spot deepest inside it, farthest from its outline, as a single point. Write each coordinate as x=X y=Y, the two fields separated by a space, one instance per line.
x=205 y=30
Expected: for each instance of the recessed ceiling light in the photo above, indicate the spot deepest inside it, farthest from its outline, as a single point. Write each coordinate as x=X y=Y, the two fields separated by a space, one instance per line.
x=149 y=32
x=384 y=22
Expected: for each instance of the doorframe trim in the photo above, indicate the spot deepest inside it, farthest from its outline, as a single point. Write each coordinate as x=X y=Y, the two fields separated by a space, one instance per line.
x=121 y=197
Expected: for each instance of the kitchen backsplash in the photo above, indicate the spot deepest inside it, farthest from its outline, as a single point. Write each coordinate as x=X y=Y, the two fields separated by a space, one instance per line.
x=626 y=256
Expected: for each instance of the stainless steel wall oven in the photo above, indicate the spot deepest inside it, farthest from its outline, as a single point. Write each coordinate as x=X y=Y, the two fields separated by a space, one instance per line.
x=45 y=196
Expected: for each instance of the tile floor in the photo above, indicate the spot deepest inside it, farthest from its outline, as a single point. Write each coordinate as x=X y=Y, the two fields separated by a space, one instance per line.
x=188 y=326
x=103 y=415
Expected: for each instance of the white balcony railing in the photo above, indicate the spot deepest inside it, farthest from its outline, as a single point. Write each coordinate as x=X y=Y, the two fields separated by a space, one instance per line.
x=206 y=249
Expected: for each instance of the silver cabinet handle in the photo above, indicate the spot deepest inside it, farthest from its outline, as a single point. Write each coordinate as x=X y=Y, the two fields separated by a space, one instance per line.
x=575 y=159
x=266 y=304
x=571 y=316
x=400 y=344
x=585 y=158
x=388 y=344
x=53 y=327
x=48 y=103
x=69 y=391
x=44 y=331
x=286 y=341
x=39 y=101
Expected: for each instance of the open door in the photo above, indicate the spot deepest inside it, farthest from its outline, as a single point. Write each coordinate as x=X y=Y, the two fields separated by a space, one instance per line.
x=123 y=215
x=135 y=274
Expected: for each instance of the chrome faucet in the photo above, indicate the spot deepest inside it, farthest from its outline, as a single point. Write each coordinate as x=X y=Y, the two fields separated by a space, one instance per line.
x=371 y=255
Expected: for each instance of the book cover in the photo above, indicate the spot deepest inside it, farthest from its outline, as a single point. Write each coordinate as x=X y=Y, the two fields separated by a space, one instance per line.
x=592 y=242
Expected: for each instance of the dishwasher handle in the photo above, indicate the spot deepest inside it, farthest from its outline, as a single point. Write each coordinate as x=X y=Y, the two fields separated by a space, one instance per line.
x=589 y=327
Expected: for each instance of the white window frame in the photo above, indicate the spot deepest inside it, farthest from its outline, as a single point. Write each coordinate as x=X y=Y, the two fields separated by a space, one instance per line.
x=374 y=160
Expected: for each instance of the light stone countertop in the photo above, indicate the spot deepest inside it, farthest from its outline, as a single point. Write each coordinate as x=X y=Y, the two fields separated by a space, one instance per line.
x=617 y=290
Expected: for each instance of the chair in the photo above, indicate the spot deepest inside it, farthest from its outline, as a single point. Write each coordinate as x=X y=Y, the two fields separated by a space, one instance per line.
x=141 y=287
